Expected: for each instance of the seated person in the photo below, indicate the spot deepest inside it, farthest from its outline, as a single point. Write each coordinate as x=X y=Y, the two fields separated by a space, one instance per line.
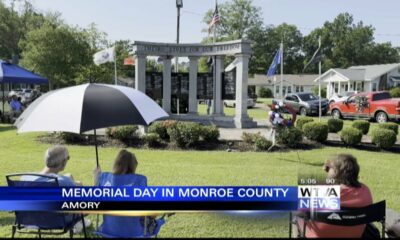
x=15 y=104
x=344 y=169
x=56 y=159
x=124 y=168
x=124 y=174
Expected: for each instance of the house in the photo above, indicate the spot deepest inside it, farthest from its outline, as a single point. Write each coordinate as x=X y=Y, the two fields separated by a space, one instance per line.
x=292 y=83
x=369 y=78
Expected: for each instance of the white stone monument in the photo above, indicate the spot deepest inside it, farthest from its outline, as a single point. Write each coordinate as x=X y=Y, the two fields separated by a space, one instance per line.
x=241 y=49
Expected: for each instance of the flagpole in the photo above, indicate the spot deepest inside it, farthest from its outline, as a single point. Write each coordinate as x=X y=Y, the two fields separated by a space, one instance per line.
x=319 y=81
x=115 y=63
x=281 y=90
x=214 y=68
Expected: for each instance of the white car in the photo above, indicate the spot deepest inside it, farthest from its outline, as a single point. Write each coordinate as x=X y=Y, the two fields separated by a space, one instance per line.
x=340 y=97
x=232 y=103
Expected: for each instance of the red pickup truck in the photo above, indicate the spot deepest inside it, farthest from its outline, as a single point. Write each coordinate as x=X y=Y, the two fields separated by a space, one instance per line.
x=371 y=105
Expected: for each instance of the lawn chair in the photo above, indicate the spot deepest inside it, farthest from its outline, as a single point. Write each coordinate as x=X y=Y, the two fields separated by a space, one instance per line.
x=39 y=222
x=345 y=217
x=127 y=227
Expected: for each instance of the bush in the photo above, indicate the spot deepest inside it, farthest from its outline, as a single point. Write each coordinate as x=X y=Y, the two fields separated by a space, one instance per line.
x=361 y=125
x=185 y=134
x=265 y=93
x=261 y=143
x=303 y=120
x=383 y=138
x=122 y=133
x=316 y=91
x=210 y=133
x=351 y=136
x=152 y=140
x=70 y=137
x=247 y=137
x=316 y=131
x=390 y=126
x=161 y=127
x=395 y=92
x=335 y=125
x=289 y=136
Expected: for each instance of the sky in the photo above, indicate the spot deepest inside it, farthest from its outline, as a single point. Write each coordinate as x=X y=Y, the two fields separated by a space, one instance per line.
x=155 y=20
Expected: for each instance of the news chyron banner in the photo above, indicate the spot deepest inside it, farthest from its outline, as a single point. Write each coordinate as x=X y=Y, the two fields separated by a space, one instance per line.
x=195 y=198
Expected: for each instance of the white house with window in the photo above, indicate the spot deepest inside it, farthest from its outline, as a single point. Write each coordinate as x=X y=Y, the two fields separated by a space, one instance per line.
x=292 y=83
x=369 y=78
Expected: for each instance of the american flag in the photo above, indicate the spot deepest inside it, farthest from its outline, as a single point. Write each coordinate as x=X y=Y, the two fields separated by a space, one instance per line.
x=215 y=20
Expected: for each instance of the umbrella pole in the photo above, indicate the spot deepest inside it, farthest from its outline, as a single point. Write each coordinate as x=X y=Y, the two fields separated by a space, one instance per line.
x=97 y=153
x=2 y=87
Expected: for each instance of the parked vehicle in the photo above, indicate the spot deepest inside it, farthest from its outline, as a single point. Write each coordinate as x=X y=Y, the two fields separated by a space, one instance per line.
x=305 y=103
x=340 y=97
x=378 y=106
x=232 y=103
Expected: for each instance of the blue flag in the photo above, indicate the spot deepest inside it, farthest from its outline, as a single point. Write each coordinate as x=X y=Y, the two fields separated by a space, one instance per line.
x=274 y=65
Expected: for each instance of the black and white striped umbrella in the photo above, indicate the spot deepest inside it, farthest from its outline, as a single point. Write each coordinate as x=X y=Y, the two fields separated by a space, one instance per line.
x=89 y=106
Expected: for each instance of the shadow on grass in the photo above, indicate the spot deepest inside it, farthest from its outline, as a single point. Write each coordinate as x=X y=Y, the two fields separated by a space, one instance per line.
x=7 y=128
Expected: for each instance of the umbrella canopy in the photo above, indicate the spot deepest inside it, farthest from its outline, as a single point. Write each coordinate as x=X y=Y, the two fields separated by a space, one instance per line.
x=10 y=73
x=86 y=107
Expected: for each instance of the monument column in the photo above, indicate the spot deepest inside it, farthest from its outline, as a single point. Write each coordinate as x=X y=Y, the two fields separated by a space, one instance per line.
x=193 y=69
x=166 y=102
x=242 y=120
x=219 y=68
x=140 y=72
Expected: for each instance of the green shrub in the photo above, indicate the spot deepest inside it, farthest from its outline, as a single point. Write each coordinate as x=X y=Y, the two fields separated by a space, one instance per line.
x=247 y=137
x=316 y=131
x=185 y=134
x=70 y=137
x=335 y=125
x=395 y=92
x=123 y=132
x=289 y=136
x=390 y=126
x=161 y=127
x=265 y=93
x=209 y=133
x=351 y=136
x=261 y=143
x=303 y=120
x=152 y=140
x=361 y=125
x=383 y=138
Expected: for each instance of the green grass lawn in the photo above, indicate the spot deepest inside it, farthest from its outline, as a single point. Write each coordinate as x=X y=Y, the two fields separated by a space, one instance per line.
x=379 y=170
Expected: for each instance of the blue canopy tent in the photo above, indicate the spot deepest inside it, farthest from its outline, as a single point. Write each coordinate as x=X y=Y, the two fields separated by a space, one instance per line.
x=14 y=74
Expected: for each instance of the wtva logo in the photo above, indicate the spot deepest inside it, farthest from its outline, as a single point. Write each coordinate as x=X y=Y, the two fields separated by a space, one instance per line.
x=319 y=197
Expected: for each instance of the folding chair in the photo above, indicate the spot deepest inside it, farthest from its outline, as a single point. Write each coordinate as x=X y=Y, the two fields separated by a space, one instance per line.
x=127 y=227
x=345 y=217
x=40 y=222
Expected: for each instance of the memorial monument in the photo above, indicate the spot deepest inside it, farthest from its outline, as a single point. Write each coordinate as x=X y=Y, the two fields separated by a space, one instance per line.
x=241 y=49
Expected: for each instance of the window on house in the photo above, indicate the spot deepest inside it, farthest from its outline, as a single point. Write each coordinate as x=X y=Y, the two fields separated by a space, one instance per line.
x=301 y=89
x=289 y=89
x=297 y=88
x=277 y=89
x=374 y=87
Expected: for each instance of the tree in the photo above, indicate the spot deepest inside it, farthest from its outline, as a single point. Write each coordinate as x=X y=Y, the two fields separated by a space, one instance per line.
x=237 y=18
x=345 y=44
x=57 y=53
